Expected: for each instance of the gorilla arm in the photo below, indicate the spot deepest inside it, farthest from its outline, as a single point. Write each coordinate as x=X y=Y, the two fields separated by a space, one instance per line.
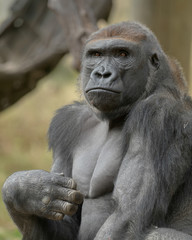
x=152 y=169
x=36 y=198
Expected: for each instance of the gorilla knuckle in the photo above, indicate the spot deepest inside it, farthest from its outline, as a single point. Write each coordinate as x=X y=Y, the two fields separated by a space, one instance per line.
x=46 y=200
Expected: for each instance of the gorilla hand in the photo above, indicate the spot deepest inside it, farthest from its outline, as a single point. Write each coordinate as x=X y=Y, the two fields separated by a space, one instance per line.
x=40 y=193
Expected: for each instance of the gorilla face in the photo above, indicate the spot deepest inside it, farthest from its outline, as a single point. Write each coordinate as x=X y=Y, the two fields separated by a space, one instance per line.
x=114 y=74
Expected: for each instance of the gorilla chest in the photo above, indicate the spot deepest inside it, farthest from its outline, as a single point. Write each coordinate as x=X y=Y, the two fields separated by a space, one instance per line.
x=96 y=161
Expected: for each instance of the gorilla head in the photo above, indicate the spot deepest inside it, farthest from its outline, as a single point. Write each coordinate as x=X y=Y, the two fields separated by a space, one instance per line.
x=121 y=65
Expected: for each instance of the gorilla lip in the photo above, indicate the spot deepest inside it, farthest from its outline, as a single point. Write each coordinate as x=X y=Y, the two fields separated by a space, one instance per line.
x=100 y=89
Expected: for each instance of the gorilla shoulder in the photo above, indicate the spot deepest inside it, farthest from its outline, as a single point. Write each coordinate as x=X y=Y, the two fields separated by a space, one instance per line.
x=69 y=121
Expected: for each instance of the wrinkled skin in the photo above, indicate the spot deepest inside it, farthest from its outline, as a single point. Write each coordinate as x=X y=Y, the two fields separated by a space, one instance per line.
x=122 y=159
x=114 y=65
x=50 y=195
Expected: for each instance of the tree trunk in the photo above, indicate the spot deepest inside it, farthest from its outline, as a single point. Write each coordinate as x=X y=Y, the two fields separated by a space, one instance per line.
x=32 y=41
x=79 y=24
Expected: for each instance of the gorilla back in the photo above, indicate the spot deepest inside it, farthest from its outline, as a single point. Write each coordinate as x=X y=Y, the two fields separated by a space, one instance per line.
x=125 y=151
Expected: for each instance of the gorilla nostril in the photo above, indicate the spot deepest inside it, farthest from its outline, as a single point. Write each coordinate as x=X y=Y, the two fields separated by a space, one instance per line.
x=99 y=75
x=107 y=75
x=104 y=74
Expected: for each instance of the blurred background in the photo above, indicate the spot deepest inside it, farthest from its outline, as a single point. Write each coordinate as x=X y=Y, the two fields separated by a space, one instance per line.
x=24 y=125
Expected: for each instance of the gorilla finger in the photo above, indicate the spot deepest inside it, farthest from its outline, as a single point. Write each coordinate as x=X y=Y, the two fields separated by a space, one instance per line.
x=54 y=215
x=63 y=207
x=64 y=181
x=49 y=213
x=69 y=195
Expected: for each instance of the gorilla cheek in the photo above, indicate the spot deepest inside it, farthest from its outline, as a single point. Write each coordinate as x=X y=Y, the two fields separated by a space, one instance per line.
x=134 y=90
x=103 y=100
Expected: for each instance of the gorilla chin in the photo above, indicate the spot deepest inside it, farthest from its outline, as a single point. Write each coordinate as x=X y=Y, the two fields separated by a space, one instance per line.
x=102 y=99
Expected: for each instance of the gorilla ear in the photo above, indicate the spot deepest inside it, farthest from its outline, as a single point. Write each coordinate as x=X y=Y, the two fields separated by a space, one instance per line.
x=155 y=60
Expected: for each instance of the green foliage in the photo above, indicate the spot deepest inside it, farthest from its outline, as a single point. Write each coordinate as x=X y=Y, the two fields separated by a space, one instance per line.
x=7 y=235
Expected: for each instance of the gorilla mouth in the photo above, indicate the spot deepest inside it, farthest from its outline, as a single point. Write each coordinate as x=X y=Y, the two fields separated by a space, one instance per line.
x=104 y=99
x=102 y=90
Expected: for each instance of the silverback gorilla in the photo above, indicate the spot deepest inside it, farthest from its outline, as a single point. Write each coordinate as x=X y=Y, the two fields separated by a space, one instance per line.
x=122 y=158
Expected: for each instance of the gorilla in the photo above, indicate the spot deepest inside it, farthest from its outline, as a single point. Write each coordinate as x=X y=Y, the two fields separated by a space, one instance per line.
x=122 y=164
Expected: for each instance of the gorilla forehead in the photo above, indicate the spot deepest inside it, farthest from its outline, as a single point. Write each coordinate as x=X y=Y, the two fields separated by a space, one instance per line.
x=131 y=31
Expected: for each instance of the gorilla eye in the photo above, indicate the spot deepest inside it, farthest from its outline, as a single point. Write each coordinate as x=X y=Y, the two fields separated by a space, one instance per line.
x=93 y=53
x=123 y=54
x=97 y=54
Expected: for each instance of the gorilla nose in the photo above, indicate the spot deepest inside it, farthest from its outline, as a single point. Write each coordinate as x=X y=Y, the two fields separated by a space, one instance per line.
x=102 y=73
x=105 y=74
